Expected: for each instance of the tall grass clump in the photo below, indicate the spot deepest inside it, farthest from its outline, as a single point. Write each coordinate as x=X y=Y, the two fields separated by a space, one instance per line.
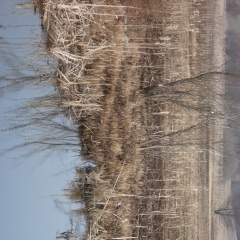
x=78 y=39
x=89 y=49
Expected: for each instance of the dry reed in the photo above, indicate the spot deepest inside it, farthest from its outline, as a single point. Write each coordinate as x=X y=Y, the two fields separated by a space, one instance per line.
x=150 y=146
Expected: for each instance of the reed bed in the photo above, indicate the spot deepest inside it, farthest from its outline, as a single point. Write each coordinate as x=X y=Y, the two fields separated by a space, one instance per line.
x=81 y=37
x=129 y=75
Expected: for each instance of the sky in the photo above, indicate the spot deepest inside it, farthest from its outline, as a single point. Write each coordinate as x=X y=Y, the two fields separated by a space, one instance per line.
x=28 y=183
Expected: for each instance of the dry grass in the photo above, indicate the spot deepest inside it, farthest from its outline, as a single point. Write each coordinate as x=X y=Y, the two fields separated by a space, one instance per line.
x=148 y=138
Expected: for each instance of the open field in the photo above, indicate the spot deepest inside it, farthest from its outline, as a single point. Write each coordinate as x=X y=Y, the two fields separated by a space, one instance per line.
x=143 y=83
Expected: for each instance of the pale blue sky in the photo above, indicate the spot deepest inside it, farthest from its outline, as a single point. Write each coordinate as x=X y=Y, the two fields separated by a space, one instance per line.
x=27 y=210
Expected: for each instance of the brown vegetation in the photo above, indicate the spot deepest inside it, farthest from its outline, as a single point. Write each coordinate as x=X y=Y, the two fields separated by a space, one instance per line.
x=121 y=66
